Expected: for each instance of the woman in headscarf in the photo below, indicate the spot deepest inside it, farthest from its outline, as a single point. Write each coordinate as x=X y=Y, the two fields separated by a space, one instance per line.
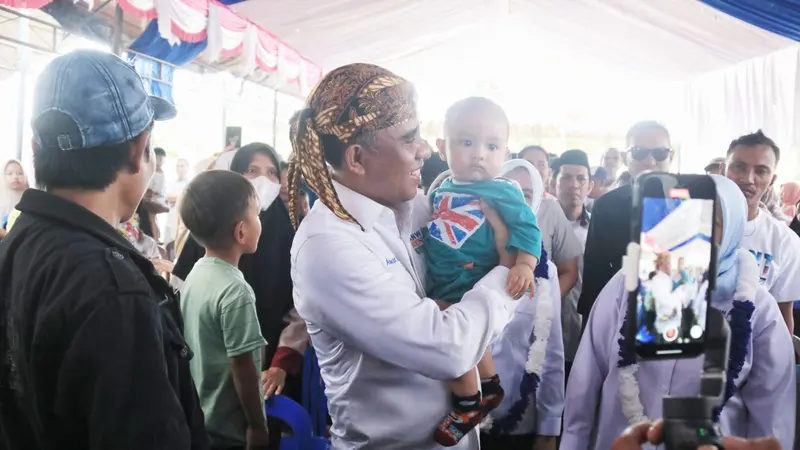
x=14 y=184
x=267 y=271
x=790 y=197
x=529 y=356
x=609 y=391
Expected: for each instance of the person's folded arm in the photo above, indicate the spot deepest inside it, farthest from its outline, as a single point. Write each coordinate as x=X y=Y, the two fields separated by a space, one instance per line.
x=350 y=292
x=567 y=275
x=769 y=392
x=550 y=396
x=114 y=376
x=292 y=344
x=786 y=287
x=566 y=251
x=591 y=367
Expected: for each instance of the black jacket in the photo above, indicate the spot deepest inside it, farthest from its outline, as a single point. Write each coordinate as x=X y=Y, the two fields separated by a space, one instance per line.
x=93 y=355
x=268 y=271
x=606 y=244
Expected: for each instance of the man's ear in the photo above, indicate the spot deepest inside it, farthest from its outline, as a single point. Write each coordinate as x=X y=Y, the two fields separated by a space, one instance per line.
x=440 y=148
x=139 y=155
x=774 y=178
x=353 y=159
x=591 y=185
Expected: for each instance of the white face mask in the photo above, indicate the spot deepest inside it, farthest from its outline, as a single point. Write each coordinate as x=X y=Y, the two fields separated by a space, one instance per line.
x=267 y=191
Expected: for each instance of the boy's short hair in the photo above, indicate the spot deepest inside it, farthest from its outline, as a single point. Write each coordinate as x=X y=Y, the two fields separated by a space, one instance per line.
x=159 y=151
x=213 y=203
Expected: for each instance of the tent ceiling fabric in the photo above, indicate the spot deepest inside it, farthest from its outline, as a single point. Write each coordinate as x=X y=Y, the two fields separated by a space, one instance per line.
x=664 y=38
x=472 y=41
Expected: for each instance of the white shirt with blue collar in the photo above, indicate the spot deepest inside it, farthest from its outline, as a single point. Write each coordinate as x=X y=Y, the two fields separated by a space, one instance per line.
x=384 y=350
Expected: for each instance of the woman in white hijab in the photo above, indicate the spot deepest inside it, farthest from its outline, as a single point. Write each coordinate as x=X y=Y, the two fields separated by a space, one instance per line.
x=14 y=184
x=529 y=356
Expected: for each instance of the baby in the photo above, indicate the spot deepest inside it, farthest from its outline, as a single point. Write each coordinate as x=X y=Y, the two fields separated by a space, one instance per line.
x=460 y=245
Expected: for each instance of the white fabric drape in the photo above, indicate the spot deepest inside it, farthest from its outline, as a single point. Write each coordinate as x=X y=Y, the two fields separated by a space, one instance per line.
x=763 y=93
x=464 y=42
x=578 y=64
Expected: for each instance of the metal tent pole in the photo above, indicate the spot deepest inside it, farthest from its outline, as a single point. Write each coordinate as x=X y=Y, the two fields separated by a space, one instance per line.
x=119 y=22
x=275 y=119
x=23 y=76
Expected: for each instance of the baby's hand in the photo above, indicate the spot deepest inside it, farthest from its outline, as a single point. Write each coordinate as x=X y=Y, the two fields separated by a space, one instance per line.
x=520 y=281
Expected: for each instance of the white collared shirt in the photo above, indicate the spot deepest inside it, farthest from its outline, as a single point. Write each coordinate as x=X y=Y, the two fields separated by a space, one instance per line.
x=384 y=349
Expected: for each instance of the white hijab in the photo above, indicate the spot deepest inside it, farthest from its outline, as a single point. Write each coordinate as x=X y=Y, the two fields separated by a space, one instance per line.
x=8 y=197
x=536 y=180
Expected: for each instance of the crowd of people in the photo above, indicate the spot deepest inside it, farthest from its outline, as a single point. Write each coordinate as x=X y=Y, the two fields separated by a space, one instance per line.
x=460 y=296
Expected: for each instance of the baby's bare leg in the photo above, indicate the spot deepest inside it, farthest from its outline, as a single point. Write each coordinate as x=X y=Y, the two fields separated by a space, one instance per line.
x=486 y=366
x=466 y=399
x=466 y=385
x=490 y=383
x=469 y=406
x=442 y=304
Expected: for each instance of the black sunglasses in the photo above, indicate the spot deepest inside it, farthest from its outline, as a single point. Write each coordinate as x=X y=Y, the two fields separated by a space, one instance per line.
x=641 y=153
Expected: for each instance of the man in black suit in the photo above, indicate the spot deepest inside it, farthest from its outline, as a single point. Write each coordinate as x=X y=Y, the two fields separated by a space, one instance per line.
x=609 y=231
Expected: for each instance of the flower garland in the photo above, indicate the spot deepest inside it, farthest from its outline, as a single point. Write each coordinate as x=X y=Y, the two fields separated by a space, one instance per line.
x=739 y=317
x=536 y=355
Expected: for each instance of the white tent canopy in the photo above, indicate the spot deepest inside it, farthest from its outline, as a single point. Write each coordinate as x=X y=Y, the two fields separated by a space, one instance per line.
x=691 y=218
x=592 y=49
x=582 y=66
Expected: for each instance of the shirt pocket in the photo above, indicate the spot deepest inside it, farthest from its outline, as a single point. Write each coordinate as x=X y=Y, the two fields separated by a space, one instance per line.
x=175 y=345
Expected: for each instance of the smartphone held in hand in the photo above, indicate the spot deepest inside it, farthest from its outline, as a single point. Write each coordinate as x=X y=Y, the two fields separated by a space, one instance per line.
x=672 y=267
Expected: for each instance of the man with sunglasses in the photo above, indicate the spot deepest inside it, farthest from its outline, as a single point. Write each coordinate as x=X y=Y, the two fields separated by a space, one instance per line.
x=609 y=230
x=716 y=167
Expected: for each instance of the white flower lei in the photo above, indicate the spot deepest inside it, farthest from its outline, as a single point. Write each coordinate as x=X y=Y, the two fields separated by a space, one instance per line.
x=632 y=407
x=541 y=332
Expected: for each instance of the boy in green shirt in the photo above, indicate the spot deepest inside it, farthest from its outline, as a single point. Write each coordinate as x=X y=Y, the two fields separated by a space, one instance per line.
x=220 y=208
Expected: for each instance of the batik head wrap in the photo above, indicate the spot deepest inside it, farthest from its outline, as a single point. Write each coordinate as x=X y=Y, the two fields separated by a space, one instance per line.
x=348 y=102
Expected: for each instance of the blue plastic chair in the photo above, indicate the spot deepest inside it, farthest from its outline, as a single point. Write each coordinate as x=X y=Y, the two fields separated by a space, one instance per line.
x=313 y=394
x=308 y=422
x=292 y=414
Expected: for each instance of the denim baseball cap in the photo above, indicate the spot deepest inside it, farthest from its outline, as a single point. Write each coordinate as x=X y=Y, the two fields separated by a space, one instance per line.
x=88 y=98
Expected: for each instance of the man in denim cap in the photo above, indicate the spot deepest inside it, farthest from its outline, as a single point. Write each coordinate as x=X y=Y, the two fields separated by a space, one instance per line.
x=92 y=351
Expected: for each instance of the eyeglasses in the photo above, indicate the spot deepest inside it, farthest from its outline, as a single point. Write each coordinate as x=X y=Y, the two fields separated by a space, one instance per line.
x=641 y=153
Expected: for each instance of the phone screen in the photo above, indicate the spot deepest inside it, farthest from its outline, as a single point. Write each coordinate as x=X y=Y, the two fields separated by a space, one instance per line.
x=676 y=250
